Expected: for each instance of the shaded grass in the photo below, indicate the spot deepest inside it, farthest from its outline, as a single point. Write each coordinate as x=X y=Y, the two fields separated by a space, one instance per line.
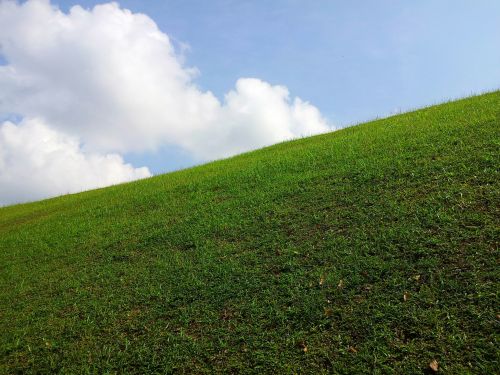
x=373 y=249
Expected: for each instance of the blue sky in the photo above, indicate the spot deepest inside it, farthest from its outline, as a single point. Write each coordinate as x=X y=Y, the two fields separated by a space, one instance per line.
x=351 y=60
x=354 y=60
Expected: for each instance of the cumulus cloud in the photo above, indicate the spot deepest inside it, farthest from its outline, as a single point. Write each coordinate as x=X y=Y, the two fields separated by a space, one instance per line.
x=38 y=162
x=112 y=79
x=258 y=114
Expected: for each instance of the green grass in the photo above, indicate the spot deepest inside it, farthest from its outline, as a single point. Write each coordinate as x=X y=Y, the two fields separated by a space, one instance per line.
x=373 y=249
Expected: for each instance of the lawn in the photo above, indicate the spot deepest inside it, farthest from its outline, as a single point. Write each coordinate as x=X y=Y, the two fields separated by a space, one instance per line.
x=372 y=249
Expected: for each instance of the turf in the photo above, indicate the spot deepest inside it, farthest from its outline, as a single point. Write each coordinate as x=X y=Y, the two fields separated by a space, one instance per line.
x=373 y=249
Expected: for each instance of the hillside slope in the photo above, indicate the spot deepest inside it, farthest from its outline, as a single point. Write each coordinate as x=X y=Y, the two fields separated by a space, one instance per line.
x=368 y=250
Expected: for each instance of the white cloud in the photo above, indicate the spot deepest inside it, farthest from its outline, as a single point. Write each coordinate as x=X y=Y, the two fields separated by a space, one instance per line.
x=112 y=79
x=255 y=114
x=37 y=162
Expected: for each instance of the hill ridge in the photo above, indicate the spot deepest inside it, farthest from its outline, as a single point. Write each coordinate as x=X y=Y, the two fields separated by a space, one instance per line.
x=369 y=249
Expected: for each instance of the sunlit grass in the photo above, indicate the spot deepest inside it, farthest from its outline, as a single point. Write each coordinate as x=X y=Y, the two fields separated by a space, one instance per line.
x=372 y=249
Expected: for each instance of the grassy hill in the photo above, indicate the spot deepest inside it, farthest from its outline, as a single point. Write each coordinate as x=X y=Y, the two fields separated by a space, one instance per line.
x=372 y=249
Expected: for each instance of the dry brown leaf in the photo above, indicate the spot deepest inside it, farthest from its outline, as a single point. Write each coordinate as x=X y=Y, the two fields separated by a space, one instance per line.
x=434 y=365
x=352 y=349
x=340 y=284
x=359 y=298
x=406 y=296
x=321 y=280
